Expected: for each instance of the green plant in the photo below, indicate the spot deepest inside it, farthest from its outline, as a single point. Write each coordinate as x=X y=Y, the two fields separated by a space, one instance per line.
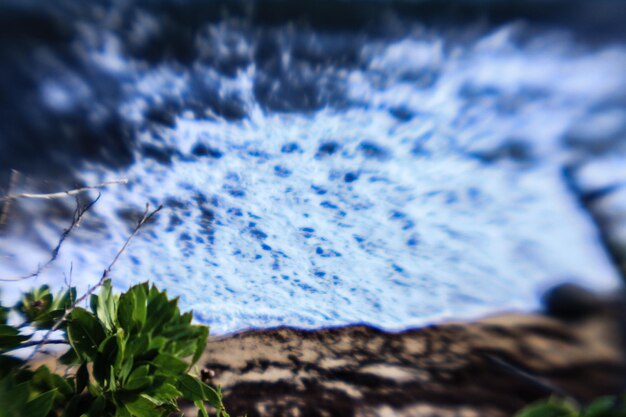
x=556 y=407
x=129 y=355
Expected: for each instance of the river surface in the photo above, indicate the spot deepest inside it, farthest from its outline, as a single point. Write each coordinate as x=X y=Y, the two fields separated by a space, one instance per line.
x=320 y=176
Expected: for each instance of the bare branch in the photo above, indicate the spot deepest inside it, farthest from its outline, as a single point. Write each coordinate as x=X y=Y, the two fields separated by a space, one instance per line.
x=64 y=193
x=538 y=382
x=9 y=201
x=68 y=282
x=76 y=218
x=147 y=216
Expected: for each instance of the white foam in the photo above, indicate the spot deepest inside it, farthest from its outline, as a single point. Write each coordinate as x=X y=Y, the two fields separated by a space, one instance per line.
x=420 y=232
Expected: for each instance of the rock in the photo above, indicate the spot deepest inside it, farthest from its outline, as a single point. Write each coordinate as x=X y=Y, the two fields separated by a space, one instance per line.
x=570 y=301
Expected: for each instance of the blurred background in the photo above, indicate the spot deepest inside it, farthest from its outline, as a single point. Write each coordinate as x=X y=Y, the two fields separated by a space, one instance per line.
x=320 y=163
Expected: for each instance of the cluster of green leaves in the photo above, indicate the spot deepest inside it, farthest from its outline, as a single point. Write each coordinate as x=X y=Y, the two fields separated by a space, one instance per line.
x=556 y=407
x=129 y=355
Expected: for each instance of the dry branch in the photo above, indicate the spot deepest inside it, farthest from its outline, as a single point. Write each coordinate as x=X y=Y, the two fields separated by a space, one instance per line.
x=79 y=212
x=64 y=193
x=9 y=202
x=147 y=216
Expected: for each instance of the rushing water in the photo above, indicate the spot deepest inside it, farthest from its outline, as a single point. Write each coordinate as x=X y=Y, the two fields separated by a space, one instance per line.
x=316 y=177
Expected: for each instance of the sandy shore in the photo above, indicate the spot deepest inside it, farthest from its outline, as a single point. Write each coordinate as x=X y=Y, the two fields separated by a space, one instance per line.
x=490 y=367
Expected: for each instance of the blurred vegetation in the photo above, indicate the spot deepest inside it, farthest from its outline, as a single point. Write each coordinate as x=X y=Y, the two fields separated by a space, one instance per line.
x=129 y=355
x=556 y=407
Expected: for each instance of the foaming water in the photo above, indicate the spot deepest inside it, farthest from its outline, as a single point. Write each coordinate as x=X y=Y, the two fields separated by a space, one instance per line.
x=434 y=190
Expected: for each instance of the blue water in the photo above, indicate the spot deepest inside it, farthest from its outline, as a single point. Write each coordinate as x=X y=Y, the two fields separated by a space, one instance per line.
x=429 y=187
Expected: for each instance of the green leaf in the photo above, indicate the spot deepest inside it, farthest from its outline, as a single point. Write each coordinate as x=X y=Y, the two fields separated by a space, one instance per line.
x=39 y=406
x=13 y=396
x=41 y=309
x=212 y=396
x=203 y=334
x=160 y=311
x=82 y=378
x=6 y=330
x=35 y=303
x=10 y=337
x=139 y=383
x=125 y=369
x=139 y=378
x=119 y=355
x=170 y=365
x=140 y=371
x=190 y=387
x=125 y=310
x=64 y=385
x=85 y=333
x=157 y=343
x=144 y=406
x=11 y=342
x=93 y=302
x=182 y=348
x=48 y=319
x=140 y=312
x=195 y=390
x=186 y=317
x=167 y=392
x=122 y=411
x=201 y=409
x=78 y=406
x=97 y=407
x=107 y=357
x=66 y=299
x=605 y=407
x=43 y=380
x=553 y=407
x=70 y=358
x=4 y=314
x=112 y=379
x=9 y=364
x=137 y=345
x=106 y=308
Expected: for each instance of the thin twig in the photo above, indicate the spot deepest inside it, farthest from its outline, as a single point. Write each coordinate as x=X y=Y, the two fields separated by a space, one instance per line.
x=76 y=218
x=146 y=217
x=9 y=201
x=69 y=282
x=64 y=193
x=542 y=384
